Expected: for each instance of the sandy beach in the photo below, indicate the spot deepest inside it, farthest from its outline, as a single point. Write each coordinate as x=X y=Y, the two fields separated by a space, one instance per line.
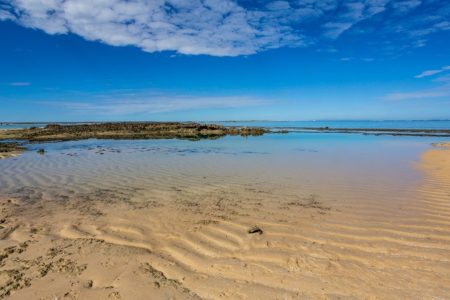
x=225 y=149
x=192 y=241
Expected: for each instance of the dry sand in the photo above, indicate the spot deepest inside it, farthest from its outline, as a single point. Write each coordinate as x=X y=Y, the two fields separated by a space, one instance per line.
x=191 y=243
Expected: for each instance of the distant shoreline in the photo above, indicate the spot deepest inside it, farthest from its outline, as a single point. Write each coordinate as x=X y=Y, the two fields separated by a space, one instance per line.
x=215 y=121
x=65 y=131
x=375 y=131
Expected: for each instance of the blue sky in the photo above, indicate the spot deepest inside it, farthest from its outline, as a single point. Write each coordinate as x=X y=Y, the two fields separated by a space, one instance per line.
x=80 y=60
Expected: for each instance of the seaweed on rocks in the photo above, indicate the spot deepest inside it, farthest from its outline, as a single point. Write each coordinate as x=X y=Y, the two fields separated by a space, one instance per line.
x=129 y=130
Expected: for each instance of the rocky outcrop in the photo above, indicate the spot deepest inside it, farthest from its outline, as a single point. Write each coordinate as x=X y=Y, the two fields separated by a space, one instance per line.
x=128 y=130
x=10 y=149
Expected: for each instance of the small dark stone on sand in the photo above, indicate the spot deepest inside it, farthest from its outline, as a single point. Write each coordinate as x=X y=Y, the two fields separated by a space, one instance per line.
x=255 y=229
x=88 y=284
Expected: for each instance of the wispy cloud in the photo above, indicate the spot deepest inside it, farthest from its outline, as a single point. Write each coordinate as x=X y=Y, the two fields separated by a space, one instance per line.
x=406 y=5
x=19 y=83
x=438 y=92
x=428 y=73
x=351 y=13
x=442 y=90
x=148 y=102
x=225 y=27
x=5 y=15
x=444 y=79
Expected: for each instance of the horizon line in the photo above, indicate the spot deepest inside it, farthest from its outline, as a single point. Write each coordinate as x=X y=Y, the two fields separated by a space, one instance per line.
x=230 y=121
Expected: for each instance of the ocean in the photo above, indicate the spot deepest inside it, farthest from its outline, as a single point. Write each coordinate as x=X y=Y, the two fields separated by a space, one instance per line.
x=294 y=125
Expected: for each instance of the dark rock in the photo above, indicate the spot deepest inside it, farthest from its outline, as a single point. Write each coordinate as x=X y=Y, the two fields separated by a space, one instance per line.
x=255 y=229
x=129 y=130
x=10 y=147
x=88 y=284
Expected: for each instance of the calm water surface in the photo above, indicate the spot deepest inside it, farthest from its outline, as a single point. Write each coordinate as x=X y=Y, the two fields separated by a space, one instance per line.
x=338 y=166
x=346 y=124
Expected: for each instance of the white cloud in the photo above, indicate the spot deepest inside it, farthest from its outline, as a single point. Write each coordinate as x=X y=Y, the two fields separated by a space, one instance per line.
x=214 y=27
x=335 y=29
x=148 y=102
x=19 y=83
x=405 y=6
x=353 y=13
x=5 y=15
x=418 y=95
x=442 y=90
x=218 y=27
x=445 y=79
x=428 y=73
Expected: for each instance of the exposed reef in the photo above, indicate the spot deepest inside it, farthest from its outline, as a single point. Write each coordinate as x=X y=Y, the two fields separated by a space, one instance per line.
x=378 y=131
x=10 y=149
x=129 y=130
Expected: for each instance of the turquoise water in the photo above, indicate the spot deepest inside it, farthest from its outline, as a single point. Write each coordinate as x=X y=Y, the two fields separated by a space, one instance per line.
x=301 y=159
x=20 y=125
x=344 y=124
x=6 y=125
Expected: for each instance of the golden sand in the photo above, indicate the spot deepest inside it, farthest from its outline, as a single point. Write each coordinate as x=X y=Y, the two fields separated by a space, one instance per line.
x=192 y=243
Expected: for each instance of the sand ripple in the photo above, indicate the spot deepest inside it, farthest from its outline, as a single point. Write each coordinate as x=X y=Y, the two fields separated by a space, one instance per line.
x=179 y=235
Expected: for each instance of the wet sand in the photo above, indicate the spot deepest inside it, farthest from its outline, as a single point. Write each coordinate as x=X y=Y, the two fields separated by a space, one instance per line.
x=190 y=241
x=9 y=154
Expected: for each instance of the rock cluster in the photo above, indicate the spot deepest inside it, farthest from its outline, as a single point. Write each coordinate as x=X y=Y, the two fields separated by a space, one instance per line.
x=128 y=130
